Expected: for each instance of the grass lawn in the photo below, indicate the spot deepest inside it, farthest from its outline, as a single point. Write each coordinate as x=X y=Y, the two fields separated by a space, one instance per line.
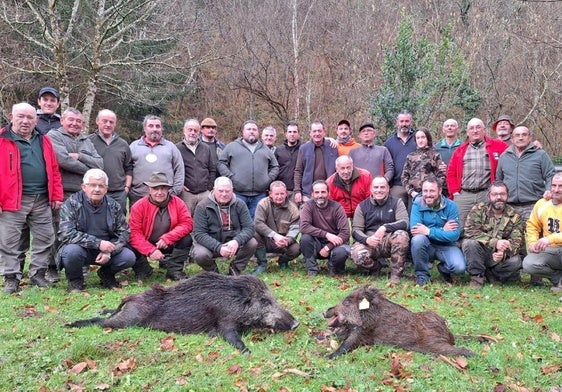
x=521 y=349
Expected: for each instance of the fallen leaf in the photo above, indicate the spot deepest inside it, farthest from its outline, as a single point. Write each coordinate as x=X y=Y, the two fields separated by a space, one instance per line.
x=517 y=388
x=550 y=369
x=78 y=368
x=452 y=363
x=298 y=372
x=91 y=364
x=234 y=369
x=276 y=283
x=167 y=343
x=102 y=387
x=538 y=318
x=127 y=365
x=554 y=336
x=50 y=309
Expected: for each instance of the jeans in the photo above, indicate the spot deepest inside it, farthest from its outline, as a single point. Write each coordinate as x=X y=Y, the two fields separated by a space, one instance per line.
x=74 y=257
x=251 y=202
x=424 y=252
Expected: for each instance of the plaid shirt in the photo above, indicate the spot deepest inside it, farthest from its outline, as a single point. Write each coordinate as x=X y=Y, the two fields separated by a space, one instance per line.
x=476 y=170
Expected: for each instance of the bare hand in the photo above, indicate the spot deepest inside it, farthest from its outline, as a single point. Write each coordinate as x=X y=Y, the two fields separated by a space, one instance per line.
x=334 y=239
x=420 y=229
x=540 y=245
x=547 y=195
x=373 y=241
x=324 y=252
x=502 y=245
x=55 y=205
x=333 y=142
x=157 y=255
x=451 y=225
x=106 y=246
x=74 y=155
x=102 y=258
x=498 y=256
x=161 y=244
x=280 y=241
x=298 y=197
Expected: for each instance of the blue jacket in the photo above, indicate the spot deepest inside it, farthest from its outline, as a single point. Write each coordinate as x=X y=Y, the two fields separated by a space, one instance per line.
x=436 y=219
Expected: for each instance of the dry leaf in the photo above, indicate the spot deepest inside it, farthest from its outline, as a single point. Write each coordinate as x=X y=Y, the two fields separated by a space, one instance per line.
x=50 y=309
x=550 y=369
x=538 y=318
x=167 y=343
x=452 y=363
x=234 y=369
x=554 y=336
x=78 y=368
x=102 y=387
x=517 y=388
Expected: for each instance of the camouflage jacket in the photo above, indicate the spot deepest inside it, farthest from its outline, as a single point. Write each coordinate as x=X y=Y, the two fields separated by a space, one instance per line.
x=73 y=227
x=481 y=226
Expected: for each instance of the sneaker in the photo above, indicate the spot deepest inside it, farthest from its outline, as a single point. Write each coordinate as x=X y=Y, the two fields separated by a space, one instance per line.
x=107 y=279
x=11 y=285
x=39 y=281
x=75 y=286
x=476 y=282
x=445 y=274
x=52 y=275
x=176 y=275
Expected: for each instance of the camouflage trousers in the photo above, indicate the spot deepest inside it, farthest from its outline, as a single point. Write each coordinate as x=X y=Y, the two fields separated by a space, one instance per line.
x=394 y=245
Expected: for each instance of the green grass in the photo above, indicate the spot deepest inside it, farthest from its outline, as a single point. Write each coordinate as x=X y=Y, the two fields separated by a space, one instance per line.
x=38 y=353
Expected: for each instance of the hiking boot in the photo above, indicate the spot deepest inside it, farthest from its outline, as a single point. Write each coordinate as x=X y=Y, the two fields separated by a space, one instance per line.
x=260 y=269
x=476 y=282
x=445 y=274
x=536 y=281
x=39 y=280
x=11 y=284
x=107 y=279
x=394 y=280
x=311 y=274
x=176 y=275
x=52 y=274
x=75 y=285
x=144 y=274
x=491 y=278
x=422 y=280
x=283 y=262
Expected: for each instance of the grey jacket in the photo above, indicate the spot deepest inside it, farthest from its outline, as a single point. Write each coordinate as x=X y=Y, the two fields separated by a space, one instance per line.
x=527 y=176
x=73 y=170
x=250 y=173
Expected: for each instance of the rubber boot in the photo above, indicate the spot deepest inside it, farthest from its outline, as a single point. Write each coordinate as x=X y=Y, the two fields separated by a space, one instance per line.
x=39 y=279
x=283 y=262
x=142 y=269
x=261 y=260
x=174 y=264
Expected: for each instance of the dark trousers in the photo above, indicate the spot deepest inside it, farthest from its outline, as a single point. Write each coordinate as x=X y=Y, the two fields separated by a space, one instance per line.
x=310 y=246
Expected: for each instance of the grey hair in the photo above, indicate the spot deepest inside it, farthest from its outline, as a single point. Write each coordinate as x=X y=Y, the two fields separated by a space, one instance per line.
x=96 y=174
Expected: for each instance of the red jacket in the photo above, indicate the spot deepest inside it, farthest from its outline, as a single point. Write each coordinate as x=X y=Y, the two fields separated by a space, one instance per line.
x=141 y=222
x=494 y=147
x=360 y=190
x=11 y=182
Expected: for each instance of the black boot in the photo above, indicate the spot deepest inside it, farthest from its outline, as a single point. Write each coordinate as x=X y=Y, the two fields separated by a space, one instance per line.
x=261 y=260
x=39 y=279
x=11 y=284
x=142 y=269
x=174 y=264
x=283 y=262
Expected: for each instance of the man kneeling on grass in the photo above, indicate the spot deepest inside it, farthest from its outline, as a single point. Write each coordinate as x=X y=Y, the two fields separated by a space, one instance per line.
x=93 y=230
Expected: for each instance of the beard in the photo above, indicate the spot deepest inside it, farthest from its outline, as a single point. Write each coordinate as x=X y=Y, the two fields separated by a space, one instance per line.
x=251 y=140
x=321 y=201
x=498 y=205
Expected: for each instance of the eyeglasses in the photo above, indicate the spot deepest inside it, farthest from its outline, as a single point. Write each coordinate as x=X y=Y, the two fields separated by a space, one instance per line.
x=96 y=186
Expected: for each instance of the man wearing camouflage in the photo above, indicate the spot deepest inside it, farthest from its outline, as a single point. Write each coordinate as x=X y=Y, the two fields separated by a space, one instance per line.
x=493 y=235
x=380 y=225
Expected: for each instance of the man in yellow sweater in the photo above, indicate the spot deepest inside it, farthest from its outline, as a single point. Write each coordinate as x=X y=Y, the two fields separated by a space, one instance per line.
x=544 y=237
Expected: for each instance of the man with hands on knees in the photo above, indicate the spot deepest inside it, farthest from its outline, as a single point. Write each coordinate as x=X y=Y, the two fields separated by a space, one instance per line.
x=435 y=229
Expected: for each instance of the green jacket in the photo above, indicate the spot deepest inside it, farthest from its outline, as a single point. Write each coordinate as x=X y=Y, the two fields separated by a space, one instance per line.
x=481 y=226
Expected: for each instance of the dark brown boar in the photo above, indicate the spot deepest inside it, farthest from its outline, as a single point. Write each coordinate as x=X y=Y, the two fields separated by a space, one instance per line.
x=365 y=318
x=207 y=302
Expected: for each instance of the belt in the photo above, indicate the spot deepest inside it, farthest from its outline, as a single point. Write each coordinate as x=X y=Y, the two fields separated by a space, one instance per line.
x=474 y=190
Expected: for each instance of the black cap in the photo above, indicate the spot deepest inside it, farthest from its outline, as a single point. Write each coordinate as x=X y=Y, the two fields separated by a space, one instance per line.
x=366 y=125
x=49 y=90
x=344 y=121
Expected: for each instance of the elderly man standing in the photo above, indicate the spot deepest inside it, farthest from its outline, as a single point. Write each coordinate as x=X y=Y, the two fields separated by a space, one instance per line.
x=543 y=238
x=325 y=232
x=160 y=226
x=316 y=160
x=250 y=165
x=380 y=227
x=223 y=228
x=493 y=235
x=473 y=167
x=400 y=145
x=200 y=169
x=30 y=186
x=209 y=137
x=434 y=225
x=269 y=137
x=152 y=153
x=277 y=227
x=375 y=159
x=93 y=230
x=503 y=127
x=349 y=185
x=116 y=155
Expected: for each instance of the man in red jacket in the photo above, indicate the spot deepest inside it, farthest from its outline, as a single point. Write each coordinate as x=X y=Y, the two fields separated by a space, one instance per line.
x=160 y=225
x=30 y=185
x=472 y=168
x=349 y=185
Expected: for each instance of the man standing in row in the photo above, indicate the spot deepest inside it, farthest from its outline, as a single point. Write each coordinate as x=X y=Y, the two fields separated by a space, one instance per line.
x=375 y=159
x=269 y=137
x=346 y=142
x=446 y=146
x=349 y=185
x=277 y=227
x=152 y=153
x=316 y=160
x=473 y=167
x=286 y=156
x=250 y=165
x=209 y=137
x=200 y=170
x=325 y=232
x=30 y=186
x=116 y=154
x=47 y=117
x=380 y=227
x=493 y=235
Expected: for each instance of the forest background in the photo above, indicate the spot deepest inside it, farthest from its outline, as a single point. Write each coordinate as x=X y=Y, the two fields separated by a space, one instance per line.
x=279 y=60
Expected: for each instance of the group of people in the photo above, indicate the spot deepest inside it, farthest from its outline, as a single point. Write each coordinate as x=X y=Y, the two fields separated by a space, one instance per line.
x=488 y=206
